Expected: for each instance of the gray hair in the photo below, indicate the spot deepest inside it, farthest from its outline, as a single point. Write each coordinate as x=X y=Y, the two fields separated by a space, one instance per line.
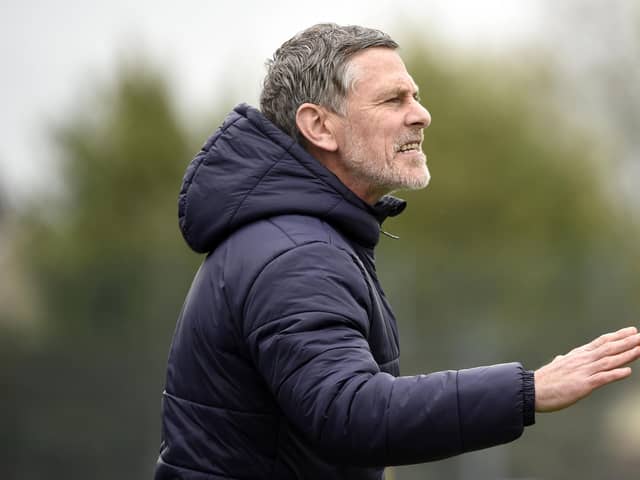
x=313 y=67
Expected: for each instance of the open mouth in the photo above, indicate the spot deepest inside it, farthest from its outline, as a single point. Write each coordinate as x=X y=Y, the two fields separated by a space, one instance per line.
x=409 y=147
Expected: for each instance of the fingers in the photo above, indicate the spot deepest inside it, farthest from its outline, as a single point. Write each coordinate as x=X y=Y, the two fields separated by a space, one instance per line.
x=617 y=346
x=608 y=344
x=571 y=377
x=612 y=362
x=604 y=378
x=608 y=337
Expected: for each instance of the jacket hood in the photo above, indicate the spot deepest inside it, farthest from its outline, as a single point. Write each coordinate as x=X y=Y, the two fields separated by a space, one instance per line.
x=249 y=170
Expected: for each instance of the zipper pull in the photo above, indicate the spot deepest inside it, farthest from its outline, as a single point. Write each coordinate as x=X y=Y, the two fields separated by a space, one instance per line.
x=390 y=235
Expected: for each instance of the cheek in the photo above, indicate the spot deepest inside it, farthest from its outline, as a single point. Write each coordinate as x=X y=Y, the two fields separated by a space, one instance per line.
x=377 y=137
x=381 y=136
x=389 y=144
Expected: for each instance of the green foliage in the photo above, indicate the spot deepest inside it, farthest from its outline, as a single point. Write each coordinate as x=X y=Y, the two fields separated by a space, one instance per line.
x=110 y=271
x=114 y=238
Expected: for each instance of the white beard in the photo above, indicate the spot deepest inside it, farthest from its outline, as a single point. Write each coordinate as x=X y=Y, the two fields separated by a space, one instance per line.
x=403 y=174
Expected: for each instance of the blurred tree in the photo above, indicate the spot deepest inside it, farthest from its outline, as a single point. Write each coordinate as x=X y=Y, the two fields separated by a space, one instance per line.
x=110 y=273
x=122 y=161
x=2 y=202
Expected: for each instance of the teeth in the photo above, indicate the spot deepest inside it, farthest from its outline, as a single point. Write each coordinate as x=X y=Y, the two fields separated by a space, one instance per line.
x=409 y=146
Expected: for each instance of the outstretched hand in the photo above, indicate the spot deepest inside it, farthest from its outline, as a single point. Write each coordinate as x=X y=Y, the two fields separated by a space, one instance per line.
x=571 y=377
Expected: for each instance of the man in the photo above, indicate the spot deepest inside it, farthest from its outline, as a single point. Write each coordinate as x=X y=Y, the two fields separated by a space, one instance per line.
x=284 y=362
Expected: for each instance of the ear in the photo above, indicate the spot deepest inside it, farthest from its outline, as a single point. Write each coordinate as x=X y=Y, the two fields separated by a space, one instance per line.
x=316 y=126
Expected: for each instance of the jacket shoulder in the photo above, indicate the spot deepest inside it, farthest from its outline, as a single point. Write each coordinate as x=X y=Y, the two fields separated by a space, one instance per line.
x=264 y=239
x=241 y=258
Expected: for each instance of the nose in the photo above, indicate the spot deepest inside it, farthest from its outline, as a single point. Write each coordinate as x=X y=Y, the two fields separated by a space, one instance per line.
x=418 y=116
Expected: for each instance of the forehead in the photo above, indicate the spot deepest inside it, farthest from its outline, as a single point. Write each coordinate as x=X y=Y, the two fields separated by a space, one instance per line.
x=376 y=70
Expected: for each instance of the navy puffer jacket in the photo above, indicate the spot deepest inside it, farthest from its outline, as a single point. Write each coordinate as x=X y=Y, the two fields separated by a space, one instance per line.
x=284 y=361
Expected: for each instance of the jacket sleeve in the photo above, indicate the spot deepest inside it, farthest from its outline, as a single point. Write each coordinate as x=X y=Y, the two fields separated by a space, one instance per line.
x=306 y=323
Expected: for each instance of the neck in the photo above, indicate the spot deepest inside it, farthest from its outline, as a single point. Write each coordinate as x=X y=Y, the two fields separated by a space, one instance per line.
x=333 y=163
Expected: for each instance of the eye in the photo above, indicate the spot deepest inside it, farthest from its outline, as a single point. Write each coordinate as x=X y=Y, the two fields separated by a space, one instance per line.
x=393 y=100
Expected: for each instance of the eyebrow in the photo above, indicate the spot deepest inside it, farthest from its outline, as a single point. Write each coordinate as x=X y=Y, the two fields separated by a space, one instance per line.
x=414 y=92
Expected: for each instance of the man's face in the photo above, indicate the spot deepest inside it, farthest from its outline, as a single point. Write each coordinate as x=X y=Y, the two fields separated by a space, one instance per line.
x=380 y=136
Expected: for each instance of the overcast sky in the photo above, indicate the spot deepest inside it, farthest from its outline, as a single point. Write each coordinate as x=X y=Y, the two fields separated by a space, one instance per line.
x=51 y=50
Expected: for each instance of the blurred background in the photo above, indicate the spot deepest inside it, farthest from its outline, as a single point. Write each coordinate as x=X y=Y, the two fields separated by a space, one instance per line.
x=524 y=245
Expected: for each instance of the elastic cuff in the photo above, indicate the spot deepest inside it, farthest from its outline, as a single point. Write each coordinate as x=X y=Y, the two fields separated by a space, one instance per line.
x=529 y=398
